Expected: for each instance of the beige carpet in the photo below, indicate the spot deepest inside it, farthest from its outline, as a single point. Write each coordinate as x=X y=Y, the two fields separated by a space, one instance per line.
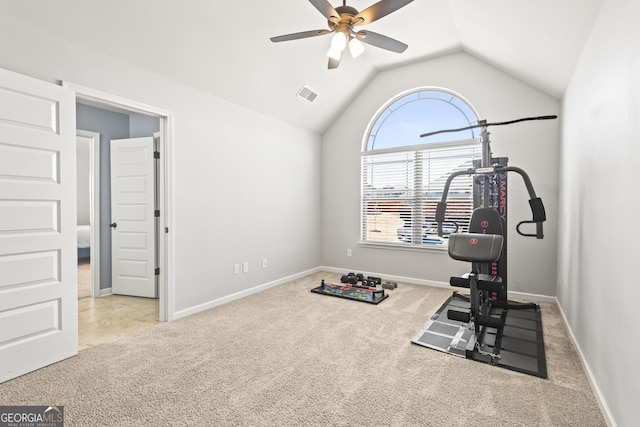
x=288 y=357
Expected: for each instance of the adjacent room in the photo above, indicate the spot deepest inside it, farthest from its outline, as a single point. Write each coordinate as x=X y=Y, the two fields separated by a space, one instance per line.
x=176 y=178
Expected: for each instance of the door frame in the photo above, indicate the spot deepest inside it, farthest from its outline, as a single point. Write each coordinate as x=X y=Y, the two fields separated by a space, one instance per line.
x=94 y=203
x=164 y=242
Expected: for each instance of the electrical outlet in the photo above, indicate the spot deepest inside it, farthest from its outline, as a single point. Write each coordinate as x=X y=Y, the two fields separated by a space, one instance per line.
x=236 y=268
x=349 y=253
x=245 y=267
x=264 y=263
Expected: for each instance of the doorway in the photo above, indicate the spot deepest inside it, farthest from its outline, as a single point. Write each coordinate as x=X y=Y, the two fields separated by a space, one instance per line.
x=106 y=310
x=89 y=97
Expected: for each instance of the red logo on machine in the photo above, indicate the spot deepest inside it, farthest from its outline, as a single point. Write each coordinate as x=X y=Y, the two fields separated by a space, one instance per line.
x=484 y=224
x=473 y=241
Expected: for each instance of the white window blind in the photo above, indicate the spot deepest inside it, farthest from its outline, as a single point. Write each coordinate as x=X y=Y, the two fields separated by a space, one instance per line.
x=400 y=191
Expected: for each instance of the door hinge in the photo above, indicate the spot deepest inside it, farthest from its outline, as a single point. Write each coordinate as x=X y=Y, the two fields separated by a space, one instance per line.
x=157 y=213
x=156 y=154
x=157 y=271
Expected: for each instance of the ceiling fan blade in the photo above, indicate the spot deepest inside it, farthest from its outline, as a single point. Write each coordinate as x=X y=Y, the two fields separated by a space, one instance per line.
x=326 y=9
x=378 y=10
x=333 y=63
x=302 y=35
x=381 y=41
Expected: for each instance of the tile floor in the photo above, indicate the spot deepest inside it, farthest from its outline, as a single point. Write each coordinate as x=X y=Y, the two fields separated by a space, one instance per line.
x=106 y=318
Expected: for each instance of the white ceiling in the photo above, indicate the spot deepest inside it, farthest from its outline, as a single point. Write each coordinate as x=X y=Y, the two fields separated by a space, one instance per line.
x=224 y=47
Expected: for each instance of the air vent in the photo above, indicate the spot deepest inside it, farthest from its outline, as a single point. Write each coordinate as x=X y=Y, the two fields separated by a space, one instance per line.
x=307 y=94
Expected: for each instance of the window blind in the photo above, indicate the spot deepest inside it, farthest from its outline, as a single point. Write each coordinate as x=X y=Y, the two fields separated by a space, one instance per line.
x=400 y=191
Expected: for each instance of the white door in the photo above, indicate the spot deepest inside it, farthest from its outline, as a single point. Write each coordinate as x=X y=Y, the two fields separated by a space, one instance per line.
x=38 y=256
x=133 y=236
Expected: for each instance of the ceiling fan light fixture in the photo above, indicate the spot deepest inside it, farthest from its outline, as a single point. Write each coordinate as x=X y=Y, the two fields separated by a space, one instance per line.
x=356 y=47
x=342 y=20
x=334 y=53
x=339 y=41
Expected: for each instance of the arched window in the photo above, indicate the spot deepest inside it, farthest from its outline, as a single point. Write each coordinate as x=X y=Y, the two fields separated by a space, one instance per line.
x=403 y=175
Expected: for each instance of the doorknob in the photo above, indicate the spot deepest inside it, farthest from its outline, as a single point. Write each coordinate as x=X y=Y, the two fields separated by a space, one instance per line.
x=113 y=225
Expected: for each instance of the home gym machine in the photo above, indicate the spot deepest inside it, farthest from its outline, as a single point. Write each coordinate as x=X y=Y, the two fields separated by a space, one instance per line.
x=484 y=325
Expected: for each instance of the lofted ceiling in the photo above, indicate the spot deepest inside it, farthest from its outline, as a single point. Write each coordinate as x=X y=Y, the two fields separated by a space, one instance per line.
x=224 y=47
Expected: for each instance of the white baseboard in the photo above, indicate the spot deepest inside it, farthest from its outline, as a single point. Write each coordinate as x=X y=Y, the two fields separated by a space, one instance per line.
x=387 y=277
x=604 y=407
x=403 y=279
x=524 y=296
x=518 y=295
x=104 y=292
x=219 y=301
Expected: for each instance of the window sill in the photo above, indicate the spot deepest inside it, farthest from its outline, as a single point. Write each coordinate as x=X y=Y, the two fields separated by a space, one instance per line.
x=443 y=248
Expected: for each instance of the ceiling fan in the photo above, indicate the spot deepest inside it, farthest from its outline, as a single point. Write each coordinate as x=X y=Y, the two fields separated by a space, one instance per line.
x=342 y=21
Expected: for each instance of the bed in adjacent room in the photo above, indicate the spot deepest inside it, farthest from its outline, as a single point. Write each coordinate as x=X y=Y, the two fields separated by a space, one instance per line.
x=84 y=241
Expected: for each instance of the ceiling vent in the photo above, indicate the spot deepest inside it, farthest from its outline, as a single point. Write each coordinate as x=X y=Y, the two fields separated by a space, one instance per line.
x=307 y=94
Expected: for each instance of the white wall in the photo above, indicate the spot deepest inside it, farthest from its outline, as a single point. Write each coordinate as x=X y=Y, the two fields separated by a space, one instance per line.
x=532 y=146
x=599 y=205
x=245 y=186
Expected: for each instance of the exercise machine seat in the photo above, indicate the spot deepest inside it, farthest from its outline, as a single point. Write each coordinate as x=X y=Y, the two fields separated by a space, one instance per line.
x=475 y=247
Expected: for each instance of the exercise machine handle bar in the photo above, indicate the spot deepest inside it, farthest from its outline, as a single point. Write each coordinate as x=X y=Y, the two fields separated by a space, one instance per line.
x=537 y=207
x=538 y=213
x=484 y=124
x=441 y=207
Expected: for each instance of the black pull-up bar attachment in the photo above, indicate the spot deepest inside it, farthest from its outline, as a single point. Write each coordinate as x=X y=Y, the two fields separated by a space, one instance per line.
x=483 y=124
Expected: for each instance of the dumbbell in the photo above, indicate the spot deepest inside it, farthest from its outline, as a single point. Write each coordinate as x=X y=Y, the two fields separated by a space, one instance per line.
x=349 y=278
x=390 y=285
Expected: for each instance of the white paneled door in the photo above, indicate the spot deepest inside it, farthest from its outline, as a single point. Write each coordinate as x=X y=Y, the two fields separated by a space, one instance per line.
x=38 y=256
x=133 y=222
